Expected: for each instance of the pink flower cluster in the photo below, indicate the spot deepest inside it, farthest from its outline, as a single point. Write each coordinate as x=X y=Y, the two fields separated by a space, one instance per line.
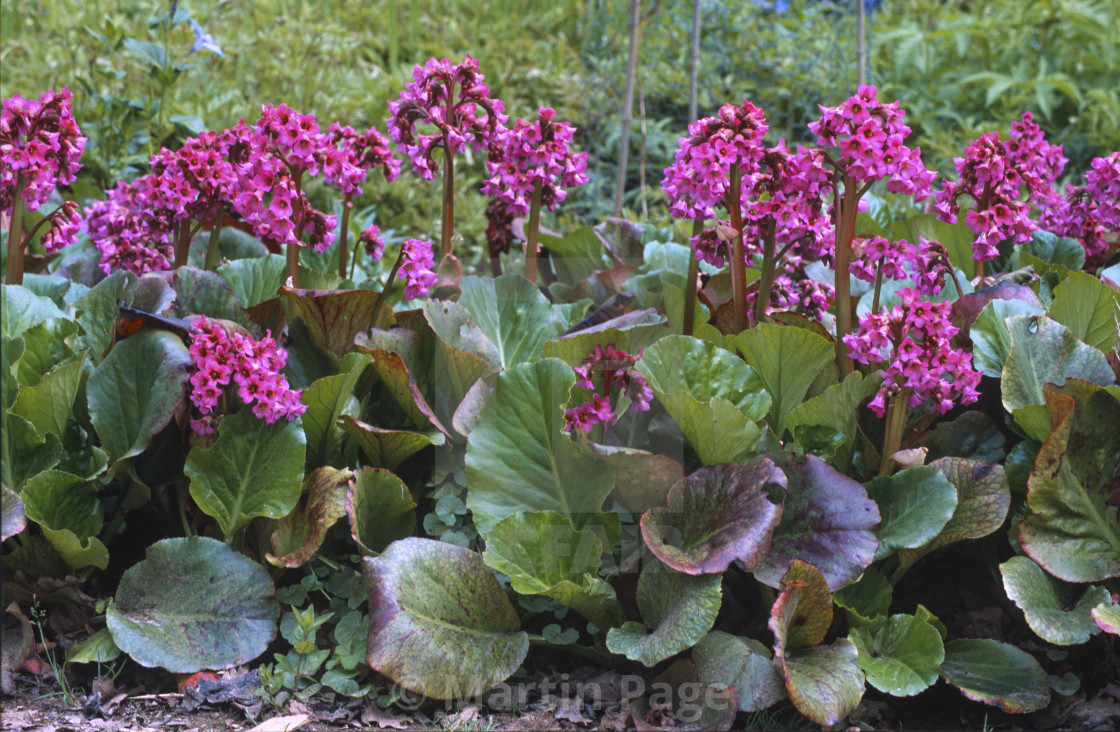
x=534 y=155
x=66 y=222
x=1091 y=211
x=616 y=372
x=871 y=136
x=452 y=99
x=913 y=340
x=350 y=155
x=40 y=146
x=793 y=290
x=374 y=244
x=700 y=176
x=220 y=356
x=925 y=264
x=417 y=268
x=130 y=231
x=992 y=173
x=784 y=198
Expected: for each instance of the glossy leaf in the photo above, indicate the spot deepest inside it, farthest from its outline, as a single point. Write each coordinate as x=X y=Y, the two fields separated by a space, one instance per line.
x=193 y=603
x=915 y=504
x=1089 y=308
x=256 y=279
x=440 y=624
x=715 y=516
x=48 y=404
x=1052 y=608
x=327 y=400
x=13 y=517
x=827 y=425
x=971 y=435
x=996 y=673
x=787 y=360
x=401 y=385
x=518 y=459
x=827 y=521
x=543 y=554
x=139 y=387
x=200 y=292
x=25 y=452
x=333 y=318
x=900 y=655
x=387 y=448
x=991 y=341
x=513 y=314
x=69 y=512
x=380 y=508
x=723 y=659
x=300 y=534
x=253 y=469
x=677 y=611
x=865 y=600
x=22 y=309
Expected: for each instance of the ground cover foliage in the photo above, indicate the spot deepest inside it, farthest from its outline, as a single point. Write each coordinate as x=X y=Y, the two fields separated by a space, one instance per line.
x=282 y=401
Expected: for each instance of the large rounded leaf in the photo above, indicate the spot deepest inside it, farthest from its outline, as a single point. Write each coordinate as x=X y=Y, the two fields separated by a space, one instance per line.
x=68 y=510
x=715 y=516
x=915 y=504
x=827 y=521
x=787 y=359
x=901 y=655
x=1052 y=607
x=1089 y=308
x=440 y=624
x=678 y=610
x=193 y=604
x=996 y=673
x=333 y=318
x=300 y=534
x=253 y=469
x=518 y=459
x=380 y=508
x=642 y=480
x=513 y=314
x=726 y=660
x=137 y=390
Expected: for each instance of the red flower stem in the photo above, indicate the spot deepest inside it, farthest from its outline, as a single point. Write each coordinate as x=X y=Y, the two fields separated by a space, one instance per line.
x=388 y=283
x=878 y=287
x=845 y=231
x=892 y=438
x=766 y=279
x=215 y=239
x=14 y=274
x=354 y=256
x=448 y=227
x=690 y=281
x=532 y=233
x=293 y=246
x=738 y=262
x=344 y=230
x=183 y=243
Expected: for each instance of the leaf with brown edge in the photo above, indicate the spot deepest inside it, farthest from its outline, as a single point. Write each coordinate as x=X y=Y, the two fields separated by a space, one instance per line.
x=1107 y=617
x=641 y=479
x=440 y=624
x=827 y=521
x=380 y=508
x=402 y=387
x=387 y=448
x=333 y=318
x=715 y=516
x=983 y=497
x=996 y=673
x=824 y=683
x=300 y=534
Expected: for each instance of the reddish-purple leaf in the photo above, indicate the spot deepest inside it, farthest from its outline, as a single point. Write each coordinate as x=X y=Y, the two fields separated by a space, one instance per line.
x=334 y=317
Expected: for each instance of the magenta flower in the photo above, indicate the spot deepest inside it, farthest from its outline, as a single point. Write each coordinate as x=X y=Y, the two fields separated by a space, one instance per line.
x=452 y=99
x=913 y=341
x=614 y=370
x=129 y=230
x=534 y=155
x=374 y=244
x=221 y=358
x=350 y=155
x=417 y=266
x=40 y=148
x=1089 y=212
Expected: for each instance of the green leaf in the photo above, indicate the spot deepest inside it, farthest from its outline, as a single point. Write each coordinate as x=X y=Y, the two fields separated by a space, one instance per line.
x=865 y=600
x=21 y=309
x=828 y=425
x=715 y=516
x=402 y=387
x=45 y=348
x=253 y=469
x=996 y=673
x=1071 y=531
x=543 y=554
x=328 y=399
x=256 y=279
x=1107 y=617
x=641 y=479
x=300 y=534
x=513 y=314
x=824 y=683
x=956 y=238
x=710 y=393
x=440 y=624
x=69 y=512
x=139 y=387
x=380 y=508
x=723 y=659
x=677 y=609
x=971 y=435
x=387 y=448
x=1043 y=351
x=787 y=360
x=915 y=504
x=827 y=521
x=97 y=312
x=983 y=498
x=1050 y=249
x=1053 y=609
x=572 y=349
x=26 y=453
x=901 y=655
x=200 y=292
x=98 y=648
x=47 y=405
x=13 y=516
x=518 y=459
x=1089 y=308
x=575 y=256
x=991 y=342
x=192 y=604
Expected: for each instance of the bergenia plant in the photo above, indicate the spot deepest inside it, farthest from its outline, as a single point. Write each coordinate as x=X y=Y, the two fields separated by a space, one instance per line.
x=868 y=138
x=456 y=102
x=609 y=373
x=992 y=174
x=40 y=149
x=1089 y=212
x=530 y=165
x=912 y=341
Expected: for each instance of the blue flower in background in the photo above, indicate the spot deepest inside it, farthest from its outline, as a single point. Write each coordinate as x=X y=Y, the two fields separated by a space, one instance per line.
x=203 y=40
